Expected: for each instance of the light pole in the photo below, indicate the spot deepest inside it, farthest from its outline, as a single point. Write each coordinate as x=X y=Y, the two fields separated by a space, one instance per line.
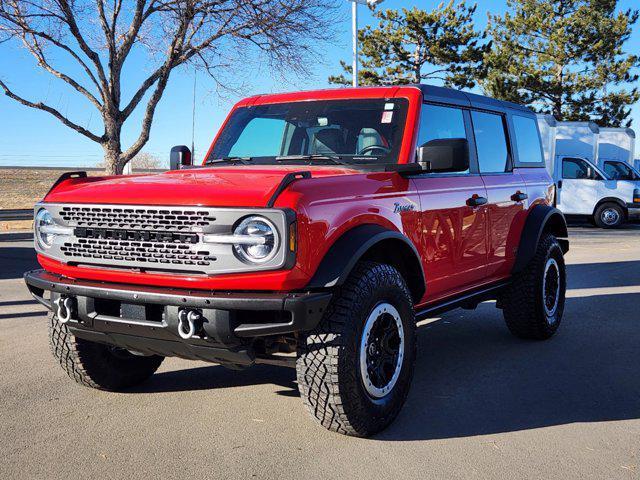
x=354 y=26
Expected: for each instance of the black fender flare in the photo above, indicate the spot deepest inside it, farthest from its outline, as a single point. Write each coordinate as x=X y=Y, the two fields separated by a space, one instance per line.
x=541 y=218
x=347 y=250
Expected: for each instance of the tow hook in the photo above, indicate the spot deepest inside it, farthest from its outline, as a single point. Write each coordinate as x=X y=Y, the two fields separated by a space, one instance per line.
x=189 y=322
x=64 y=308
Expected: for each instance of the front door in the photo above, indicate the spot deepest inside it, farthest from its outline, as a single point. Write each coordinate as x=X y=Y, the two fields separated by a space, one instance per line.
x=454 y=234
x=578 y=187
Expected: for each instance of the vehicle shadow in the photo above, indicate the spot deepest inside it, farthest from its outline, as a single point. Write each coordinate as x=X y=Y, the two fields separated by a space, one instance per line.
x=217 y=376
x=14 y=261
x=473 y=378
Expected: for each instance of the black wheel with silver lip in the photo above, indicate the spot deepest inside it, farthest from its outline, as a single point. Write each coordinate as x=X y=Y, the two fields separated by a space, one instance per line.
x=355 y=368
x=381 y=350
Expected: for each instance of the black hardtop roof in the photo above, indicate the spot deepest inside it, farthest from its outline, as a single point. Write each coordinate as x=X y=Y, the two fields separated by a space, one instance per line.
x=466 y=99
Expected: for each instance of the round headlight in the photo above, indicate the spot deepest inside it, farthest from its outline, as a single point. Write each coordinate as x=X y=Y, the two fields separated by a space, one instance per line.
x=260 y=242
x=43 y=218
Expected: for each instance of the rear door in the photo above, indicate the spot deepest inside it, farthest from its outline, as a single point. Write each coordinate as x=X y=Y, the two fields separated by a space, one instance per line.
x=506 y=192
x=454 y=234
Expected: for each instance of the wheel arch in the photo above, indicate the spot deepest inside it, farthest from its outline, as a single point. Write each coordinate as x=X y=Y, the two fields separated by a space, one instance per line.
x=615 y=200
x=374 y=243
x=540 y=220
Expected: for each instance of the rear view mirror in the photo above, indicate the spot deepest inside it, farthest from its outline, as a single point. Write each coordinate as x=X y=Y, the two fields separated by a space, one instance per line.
x=444 y=155
x=180 y=157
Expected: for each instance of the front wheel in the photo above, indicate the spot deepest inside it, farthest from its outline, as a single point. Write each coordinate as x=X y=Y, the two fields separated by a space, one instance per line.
x=609 y=215
x=355 y=369
x=534 y=301
x=97 y=365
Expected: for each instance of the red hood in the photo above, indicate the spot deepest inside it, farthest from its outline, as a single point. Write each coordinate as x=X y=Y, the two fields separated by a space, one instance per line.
x=242 y=186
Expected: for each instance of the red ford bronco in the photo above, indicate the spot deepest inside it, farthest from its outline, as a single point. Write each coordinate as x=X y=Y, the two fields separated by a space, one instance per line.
x=319 y=229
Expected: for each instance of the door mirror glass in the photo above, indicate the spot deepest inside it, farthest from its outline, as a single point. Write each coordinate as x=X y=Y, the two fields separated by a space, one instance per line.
x=444 y=155
x=180 y=157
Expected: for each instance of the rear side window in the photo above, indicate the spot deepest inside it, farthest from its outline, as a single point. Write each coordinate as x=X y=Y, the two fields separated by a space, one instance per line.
x=527 y=140
x=440 y=122
x=491 y=142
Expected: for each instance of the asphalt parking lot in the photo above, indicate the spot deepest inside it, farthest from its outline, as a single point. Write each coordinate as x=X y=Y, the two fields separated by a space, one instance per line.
x=483 y=404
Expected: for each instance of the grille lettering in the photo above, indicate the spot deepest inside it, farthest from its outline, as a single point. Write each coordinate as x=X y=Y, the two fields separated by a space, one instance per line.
x=135 y=235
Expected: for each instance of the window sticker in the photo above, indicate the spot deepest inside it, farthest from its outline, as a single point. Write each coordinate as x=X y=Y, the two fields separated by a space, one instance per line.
x=389 y=106
x=386 y=117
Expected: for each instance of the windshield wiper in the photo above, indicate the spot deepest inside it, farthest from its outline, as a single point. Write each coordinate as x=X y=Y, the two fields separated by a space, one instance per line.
x=334 y=159
x=231 y=160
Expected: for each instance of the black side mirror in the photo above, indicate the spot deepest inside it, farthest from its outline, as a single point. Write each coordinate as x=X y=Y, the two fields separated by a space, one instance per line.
x=180 y=157
x=444 y=155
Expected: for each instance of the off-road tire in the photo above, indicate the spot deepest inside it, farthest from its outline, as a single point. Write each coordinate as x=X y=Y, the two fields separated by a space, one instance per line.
x=97 y=365
x=601 y=211
x=328 y=369
x=523 y=301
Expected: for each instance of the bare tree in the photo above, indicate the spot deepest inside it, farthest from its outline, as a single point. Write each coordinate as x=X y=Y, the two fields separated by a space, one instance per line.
x=143 y=161
x=99 y=35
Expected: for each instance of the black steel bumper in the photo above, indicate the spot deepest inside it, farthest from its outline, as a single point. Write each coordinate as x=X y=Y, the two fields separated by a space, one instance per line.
x=633 y=209
x=145 y=319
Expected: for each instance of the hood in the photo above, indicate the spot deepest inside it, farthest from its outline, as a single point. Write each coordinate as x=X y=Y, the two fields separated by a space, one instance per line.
x=236 y=186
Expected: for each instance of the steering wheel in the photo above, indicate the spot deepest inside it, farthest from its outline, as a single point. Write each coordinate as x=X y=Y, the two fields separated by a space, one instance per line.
x=371 y=148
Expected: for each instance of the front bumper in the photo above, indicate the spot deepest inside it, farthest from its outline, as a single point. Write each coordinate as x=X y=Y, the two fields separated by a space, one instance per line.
x=145 y=319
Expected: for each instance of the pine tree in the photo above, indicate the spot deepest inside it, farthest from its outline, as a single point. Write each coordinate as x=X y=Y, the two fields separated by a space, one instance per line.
x=564 y=57
x=412 y=45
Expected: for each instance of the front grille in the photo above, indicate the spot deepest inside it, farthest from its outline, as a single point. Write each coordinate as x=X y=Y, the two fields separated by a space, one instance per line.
x=155 y=238
x=137 y=218
x=148 y=253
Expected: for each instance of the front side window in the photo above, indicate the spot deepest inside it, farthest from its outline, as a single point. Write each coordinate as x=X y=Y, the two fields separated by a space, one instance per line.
x=577 y=169
x=527 y=140
x=619 y=171
x=491 y=142
x=367 y=131
x=438 y=122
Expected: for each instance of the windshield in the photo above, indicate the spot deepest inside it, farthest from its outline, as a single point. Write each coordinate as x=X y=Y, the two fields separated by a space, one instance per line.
x=367 y=131
x=620 y=171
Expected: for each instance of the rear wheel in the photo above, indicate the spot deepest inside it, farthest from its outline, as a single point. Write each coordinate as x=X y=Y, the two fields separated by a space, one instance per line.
x=97 y=365
x=355 y=369
x=609 y=215
x=534 y=301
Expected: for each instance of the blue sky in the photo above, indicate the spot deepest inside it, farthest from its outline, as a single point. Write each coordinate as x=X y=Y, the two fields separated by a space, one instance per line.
x=31 y=137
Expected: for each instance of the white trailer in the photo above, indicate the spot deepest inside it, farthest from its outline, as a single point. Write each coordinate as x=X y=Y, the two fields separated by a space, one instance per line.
x=616 y=148
x=616 y=144
x=583 y=189
x=577 y=139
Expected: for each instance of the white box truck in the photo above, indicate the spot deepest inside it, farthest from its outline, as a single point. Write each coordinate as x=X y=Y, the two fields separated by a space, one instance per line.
x=583 y=189
x=616 y=147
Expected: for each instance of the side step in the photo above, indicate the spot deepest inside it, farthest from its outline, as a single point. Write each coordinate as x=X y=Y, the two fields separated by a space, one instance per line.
x=466 y=300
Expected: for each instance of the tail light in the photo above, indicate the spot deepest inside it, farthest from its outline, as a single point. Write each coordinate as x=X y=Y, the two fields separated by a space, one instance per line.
x=636 y=196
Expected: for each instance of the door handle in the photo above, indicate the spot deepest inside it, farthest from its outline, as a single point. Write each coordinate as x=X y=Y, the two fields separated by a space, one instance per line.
x=519 y=197
x=559 y=183
x=476 y=200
